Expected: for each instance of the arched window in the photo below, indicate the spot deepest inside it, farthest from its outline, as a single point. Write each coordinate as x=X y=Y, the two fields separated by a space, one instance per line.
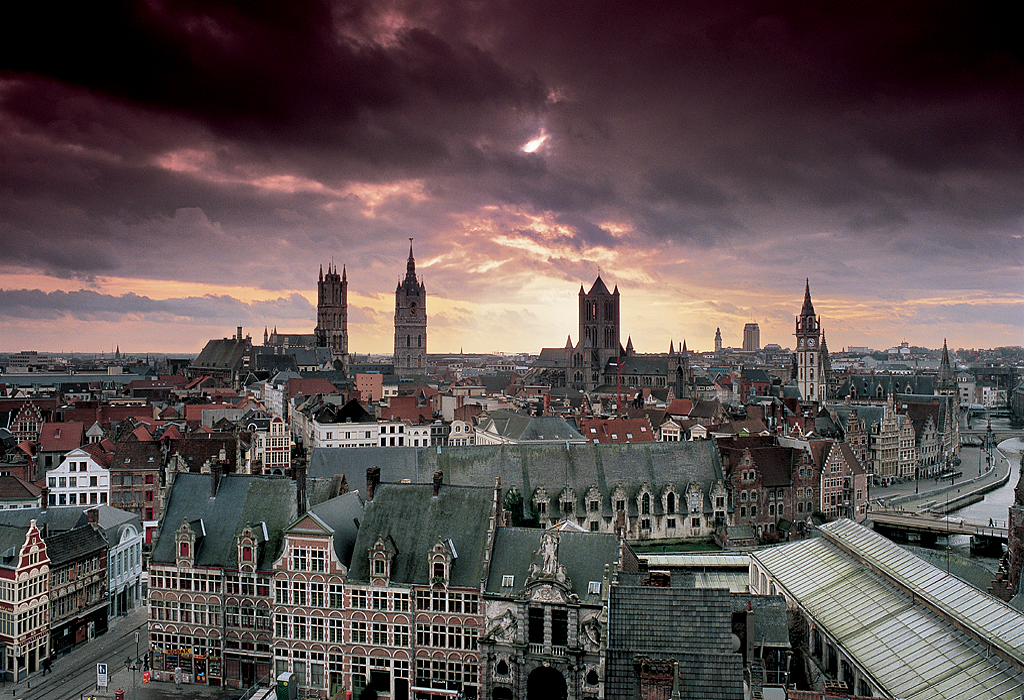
x=671 y=502
x=408 y=341
x=645 y=504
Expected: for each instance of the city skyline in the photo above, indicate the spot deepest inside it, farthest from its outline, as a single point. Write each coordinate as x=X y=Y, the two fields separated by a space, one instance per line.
x=705 y=160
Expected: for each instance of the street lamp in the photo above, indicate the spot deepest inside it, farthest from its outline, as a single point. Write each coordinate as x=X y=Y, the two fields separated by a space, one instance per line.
x=133 y=665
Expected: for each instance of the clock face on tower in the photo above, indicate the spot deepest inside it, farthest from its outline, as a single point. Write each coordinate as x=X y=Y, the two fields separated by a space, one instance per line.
x=810 y=342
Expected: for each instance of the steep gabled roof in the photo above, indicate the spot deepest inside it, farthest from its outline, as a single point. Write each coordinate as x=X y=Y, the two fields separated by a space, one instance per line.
x=414 y=519
x=61 y=437
x=342 y=514
x=240 y=500
x=70 y=545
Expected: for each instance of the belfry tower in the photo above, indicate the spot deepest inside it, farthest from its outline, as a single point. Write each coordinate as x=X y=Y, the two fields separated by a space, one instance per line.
x=332 y=313
x=410 y=323
x=810 y=371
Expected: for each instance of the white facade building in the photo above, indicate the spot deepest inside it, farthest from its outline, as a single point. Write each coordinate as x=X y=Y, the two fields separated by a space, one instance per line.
x=78 y=480
x=124 y=567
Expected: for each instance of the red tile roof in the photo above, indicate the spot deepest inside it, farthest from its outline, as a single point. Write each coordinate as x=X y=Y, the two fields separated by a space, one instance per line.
x=61 y=437
x=617 y=430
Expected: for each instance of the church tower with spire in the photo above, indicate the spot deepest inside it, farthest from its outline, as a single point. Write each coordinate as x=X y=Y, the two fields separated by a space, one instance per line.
x=947 y=385
x=410 y=323
x=810 y=370
x=332 y=313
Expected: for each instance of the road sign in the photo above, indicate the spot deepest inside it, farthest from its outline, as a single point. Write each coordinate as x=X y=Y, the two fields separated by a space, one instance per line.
x=101 y=675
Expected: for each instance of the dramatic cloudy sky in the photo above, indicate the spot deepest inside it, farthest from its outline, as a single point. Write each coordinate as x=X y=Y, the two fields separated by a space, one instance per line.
x=170 y=169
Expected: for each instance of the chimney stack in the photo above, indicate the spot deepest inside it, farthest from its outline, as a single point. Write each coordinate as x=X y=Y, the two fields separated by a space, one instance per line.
x=372 y=479
x=44 y=498
x=93 y=516
x=239 y=336
x=438 y=480
x=215 y=468
x=300 y=488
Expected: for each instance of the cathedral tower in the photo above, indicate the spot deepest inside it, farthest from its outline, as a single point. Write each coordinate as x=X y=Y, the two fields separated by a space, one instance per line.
x=810 y=370
x=332 y=313
x=410 y=323
x=599 y=335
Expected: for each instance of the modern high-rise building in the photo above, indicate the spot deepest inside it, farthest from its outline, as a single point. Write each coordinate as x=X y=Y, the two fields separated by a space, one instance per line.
x=751 y=337
x=410 y=322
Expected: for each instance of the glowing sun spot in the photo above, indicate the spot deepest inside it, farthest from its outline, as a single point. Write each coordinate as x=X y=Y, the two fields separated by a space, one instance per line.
x=532 y=146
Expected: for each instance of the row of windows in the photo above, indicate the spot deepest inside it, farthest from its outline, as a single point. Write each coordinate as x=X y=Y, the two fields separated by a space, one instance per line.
x=73 y=499
x=193 y=613
x=72 y=481
x=446 y=636
x=309 y=560
x=443 y=601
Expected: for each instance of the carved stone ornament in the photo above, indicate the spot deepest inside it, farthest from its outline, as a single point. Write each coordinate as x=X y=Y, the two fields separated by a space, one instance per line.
x=548 y=594
x=503 y=628
x=590 y=633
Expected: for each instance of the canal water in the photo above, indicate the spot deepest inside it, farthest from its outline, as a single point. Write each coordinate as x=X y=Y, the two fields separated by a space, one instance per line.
x=995 y=506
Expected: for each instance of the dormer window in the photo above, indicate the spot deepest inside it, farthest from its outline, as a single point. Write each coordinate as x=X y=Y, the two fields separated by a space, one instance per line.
x=246 y=553
x=183 y=551
x=379 y=567
x=438 y=570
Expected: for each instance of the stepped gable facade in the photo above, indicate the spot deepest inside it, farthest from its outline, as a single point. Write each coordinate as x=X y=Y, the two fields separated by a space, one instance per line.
x=418 y=564
x=211 y=577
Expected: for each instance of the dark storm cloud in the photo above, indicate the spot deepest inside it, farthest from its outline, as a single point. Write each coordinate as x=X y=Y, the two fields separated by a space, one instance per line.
x=894 y=126
x=88 y=305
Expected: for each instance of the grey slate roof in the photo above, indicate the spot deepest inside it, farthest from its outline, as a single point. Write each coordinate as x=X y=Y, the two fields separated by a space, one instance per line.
x=692 y=625
x=583 y=554
x=71 y=545
x=53 y=519
x=342 y=514
x=62 y=518
x=528 y=467
x=414 y=520
x=224 y=353
x=11 y=536
x=517 y=426
x=240 y=500
x=770 y=626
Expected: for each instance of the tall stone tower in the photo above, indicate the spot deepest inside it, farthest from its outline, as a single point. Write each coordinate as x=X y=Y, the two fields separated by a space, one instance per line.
x=410 y=323
x=332 y=313
x=599 y=331
x=680 y=376
x=718 y=340
x=809 y=369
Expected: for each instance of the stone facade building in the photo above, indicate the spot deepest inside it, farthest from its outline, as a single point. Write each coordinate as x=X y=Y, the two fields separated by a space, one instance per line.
x=544 y=601
x=332 y=313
